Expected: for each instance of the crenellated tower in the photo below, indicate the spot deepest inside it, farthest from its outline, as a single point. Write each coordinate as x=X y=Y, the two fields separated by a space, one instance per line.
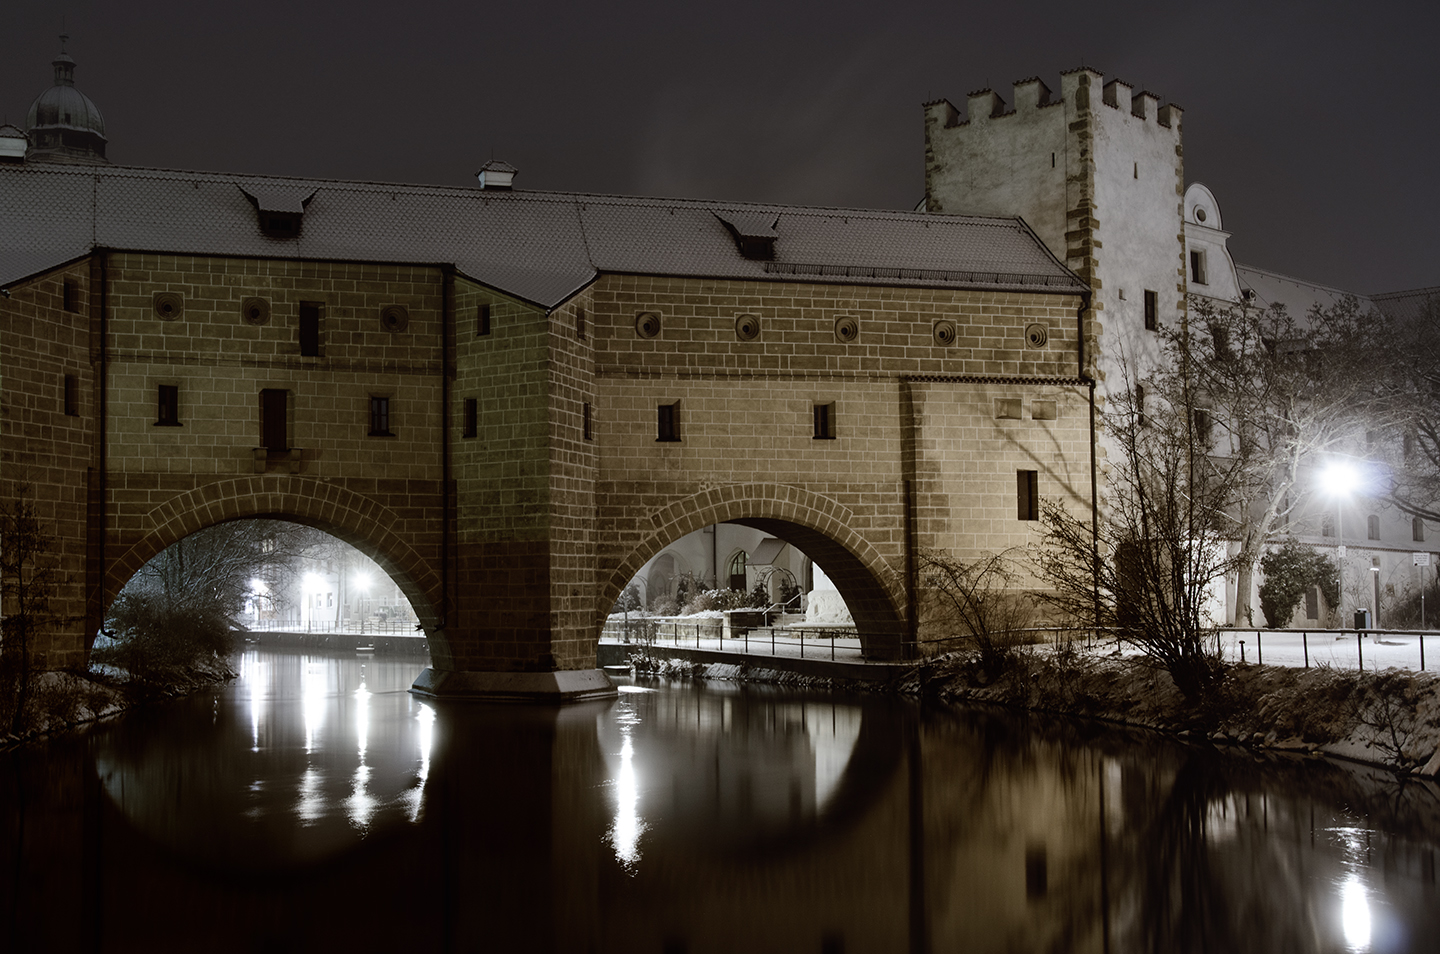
x=1097 y=171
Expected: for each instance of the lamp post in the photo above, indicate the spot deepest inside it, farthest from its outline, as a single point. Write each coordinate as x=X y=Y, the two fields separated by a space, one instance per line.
x=1339 y=479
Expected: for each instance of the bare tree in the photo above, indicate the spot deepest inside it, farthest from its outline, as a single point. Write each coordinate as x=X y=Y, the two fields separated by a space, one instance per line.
x=1281 y=394
x=184 y=604
x=1145 y=572
x=978 y=601
x=27 y=576
x=1404 y=357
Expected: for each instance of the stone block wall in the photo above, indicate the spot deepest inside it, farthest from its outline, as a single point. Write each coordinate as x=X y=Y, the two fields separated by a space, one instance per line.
x=45 y=453
x=221 y=362
x=748 y=451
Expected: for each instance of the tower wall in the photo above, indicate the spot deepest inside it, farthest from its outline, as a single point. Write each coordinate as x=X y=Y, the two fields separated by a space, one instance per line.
x=1097 y=171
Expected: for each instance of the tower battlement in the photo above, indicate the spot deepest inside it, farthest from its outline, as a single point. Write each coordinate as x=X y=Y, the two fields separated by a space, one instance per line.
x=1032 y=94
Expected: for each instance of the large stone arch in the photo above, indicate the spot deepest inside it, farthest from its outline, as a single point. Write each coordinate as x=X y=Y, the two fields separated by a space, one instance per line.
x=821 y=526
x=358 y=520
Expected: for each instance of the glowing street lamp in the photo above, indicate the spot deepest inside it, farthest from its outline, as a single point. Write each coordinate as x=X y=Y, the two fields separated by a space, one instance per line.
x=1340 y=480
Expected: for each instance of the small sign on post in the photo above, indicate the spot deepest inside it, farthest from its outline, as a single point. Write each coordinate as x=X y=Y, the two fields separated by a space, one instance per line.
x=1421 y=559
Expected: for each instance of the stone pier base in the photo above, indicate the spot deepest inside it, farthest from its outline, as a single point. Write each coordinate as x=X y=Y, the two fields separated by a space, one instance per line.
x=565 y=686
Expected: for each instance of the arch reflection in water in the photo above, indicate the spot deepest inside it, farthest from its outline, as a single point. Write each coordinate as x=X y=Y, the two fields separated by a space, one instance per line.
x=327 y=755
x=722 y=767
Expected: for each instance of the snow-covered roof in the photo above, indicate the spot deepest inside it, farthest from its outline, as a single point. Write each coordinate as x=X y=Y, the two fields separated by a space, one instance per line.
x=537 y=246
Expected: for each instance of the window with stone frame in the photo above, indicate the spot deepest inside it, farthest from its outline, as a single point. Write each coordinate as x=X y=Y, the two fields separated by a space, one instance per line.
x=380 y=416
x=1372 y=527
x=737 y=571
x=1152 y=310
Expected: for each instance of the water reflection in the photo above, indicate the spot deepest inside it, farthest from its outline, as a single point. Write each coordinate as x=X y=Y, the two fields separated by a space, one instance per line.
x=316 y=804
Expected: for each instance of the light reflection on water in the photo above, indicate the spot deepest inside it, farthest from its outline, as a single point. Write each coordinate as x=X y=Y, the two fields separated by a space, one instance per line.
x=315 y=803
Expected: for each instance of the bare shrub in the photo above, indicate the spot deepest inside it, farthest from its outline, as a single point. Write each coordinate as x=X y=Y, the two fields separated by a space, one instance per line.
x=977 y=603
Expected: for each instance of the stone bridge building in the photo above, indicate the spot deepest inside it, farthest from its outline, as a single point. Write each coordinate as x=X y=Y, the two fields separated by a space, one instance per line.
x=511 y=400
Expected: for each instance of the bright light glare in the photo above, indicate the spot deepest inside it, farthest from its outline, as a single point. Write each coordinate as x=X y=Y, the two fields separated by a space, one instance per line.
x=628 y=827
x=258 y=587
x=1355 y=914
x=313 y=583
x=1339 y=478
x=362 y=581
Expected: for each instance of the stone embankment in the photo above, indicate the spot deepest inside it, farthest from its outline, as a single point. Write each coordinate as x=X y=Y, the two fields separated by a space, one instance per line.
x=1389 y=718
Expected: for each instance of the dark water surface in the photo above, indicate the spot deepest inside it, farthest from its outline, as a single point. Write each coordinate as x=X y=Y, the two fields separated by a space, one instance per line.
x=315 y=805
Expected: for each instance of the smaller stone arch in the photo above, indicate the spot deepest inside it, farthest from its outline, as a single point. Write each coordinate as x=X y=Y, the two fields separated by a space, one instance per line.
x=820 y=526
x=360 y=521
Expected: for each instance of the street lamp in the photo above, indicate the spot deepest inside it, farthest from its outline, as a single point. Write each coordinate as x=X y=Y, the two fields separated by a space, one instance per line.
x=1339 y=480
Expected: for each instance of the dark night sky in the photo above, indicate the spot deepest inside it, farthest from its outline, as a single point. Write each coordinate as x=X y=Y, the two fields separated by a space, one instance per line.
x=1314 y=123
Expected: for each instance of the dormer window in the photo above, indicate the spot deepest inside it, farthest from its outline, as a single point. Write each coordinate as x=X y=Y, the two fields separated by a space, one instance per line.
x=280 y=211
x=754 y=233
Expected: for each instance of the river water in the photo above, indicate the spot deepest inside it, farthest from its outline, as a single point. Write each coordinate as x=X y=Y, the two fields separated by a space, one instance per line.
x=314 y=804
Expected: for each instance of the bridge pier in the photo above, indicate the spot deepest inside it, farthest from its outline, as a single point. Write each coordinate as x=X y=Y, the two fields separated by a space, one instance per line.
x=562 y=686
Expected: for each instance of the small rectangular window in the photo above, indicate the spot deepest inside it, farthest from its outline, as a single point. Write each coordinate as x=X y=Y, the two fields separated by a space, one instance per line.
x=1202 y=424
x=825 y=421
x=580 y=324
x=71 y=294
x=1417 y=529
x=1197 y=268
x=168 y=410
x=1140 y=404
x=1027 y=492
x=482 y=320
x=1007 y=409
x=668 y=423
x=380 y=417
x=1372 y=527
x=1043 y=410
x=72 y=395
x=310 y=329
x=1327 y=526
x=587 y=422
x=1220 y=338
x=1152 y=310
x=274 y=426
x=1312 y=605
x=472 y=417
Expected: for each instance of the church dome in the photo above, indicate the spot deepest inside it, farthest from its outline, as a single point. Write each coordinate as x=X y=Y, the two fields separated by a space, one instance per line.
x=63 y=124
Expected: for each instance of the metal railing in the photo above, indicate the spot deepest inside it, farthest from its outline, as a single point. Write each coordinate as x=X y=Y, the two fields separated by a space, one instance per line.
x=650 y=633
x=376 y=626
x=1385 y=645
